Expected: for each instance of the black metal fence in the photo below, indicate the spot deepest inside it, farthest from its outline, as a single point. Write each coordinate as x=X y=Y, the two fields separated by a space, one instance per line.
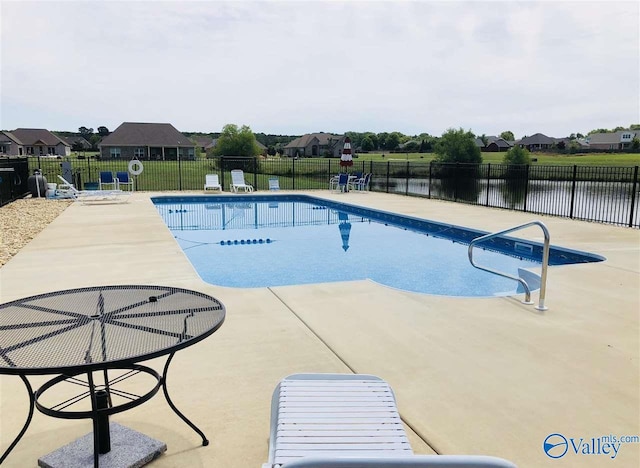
x=14 y=174
x=591 y=193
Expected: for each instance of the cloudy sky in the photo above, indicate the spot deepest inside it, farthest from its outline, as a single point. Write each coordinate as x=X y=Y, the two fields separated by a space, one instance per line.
x=294 y=67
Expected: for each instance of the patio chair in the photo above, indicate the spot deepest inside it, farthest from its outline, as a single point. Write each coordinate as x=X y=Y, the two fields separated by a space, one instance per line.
x=211 y=182
x=68 y=190
x=274 y=183
x=342 y=184
x=346 y=421
x=106 y=178
x=122 y=178
x=362 y=183
x=237 y=181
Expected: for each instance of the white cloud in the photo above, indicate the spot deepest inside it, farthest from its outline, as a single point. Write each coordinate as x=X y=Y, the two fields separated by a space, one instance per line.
x=296 y=67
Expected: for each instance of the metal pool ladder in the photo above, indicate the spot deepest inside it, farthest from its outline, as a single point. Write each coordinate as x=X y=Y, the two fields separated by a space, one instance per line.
x=545 y=262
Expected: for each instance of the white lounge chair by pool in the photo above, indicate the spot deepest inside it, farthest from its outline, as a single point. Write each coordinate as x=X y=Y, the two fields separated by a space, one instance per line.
x=211 y=182
x=346 y=421
x=237 y=181
x=274 y=183
x=87 y=196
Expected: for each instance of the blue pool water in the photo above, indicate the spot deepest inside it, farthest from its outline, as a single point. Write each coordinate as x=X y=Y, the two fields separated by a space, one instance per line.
x=261 y=241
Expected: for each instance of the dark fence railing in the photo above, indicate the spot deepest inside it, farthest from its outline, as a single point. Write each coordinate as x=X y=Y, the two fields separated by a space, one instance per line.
x=592 y=193
x=14 y=174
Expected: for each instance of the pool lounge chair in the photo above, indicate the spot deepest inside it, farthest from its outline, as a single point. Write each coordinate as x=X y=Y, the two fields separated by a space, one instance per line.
x=237 y=181
x=274 y=183
x=346 y=421
x=211 y=182
x=67 y=190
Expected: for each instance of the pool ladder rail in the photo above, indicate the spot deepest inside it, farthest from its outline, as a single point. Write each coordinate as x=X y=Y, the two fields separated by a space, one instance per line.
x=545 y=262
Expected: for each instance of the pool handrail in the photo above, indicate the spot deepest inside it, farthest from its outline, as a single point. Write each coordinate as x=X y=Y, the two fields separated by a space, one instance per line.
x=545 y=262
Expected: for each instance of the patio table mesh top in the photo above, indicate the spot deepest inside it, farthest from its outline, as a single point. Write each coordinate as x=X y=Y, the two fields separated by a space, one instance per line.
x=100 y=327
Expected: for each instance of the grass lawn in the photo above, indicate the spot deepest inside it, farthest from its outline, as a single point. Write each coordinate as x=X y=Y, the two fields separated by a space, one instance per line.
x=544 y=159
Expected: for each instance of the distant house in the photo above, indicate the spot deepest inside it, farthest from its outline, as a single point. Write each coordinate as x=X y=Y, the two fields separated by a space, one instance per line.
x=498 y=144
x=160 y=141
x=33 y=142
x=203 y=142
x=315 y=144
x=77 y=143
x=612 y=141
x=10 y=145
x=536 y=142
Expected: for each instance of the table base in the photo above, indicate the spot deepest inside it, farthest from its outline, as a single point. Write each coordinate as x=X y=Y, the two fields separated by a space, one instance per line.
x=129 y=449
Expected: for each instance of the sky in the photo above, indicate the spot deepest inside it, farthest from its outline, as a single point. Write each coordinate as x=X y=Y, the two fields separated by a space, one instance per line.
x=295 y=67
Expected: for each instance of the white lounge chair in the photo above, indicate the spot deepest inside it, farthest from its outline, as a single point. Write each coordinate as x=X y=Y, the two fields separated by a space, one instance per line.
x=68 y=190
x=211 y=182
x=237 y=181
x=346 y=420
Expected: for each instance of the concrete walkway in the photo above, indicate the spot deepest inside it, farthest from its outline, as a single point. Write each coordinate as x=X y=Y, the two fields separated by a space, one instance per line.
x=472 y=376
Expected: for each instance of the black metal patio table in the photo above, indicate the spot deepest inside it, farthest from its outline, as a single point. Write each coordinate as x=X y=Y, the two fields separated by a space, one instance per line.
x=100 y=330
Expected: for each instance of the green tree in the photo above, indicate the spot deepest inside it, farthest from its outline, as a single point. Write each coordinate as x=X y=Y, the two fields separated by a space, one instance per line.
x=635 y=144
x=392 y=141
x=507 y=135
x=103 y=131
x=457 y=146
x=234 y=141
x=517 y=155
x=367 y=144
x=85 y=132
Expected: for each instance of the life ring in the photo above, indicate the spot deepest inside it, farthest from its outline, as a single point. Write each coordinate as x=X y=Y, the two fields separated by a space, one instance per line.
x=135 y=167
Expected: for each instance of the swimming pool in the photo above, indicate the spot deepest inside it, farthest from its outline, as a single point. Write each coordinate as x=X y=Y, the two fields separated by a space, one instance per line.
x=276 y=240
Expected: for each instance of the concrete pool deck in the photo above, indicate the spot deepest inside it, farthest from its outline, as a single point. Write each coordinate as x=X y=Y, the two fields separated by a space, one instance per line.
x=471 y=376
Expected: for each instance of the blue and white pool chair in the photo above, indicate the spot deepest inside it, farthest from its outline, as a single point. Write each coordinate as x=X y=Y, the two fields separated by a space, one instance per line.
x=123 y=180
x=274 y=183
x=347 y=421
x=341 y=182
x=106 y=179
x=237 y=181
x=362 y=183
x=211 y=182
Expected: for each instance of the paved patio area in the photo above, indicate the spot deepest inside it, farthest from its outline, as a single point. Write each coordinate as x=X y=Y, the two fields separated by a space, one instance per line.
x=472 y=376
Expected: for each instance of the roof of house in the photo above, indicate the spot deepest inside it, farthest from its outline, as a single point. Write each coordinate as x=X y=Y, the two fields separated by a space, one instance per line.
x=37 y=136
x=500 y=143
x=306 y=140
x=8 y=136
x=609 y=138
x=146 y=134
x=536 y=139
x=203 y=141
x=77 y=140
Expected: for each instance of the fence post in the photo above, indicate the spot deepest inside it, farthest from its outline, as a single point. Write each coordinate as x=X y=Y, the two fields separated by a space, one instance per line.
x=406 y=190
x=633 y=195
x=179 y=169
x=222 y=170
x=430 y=167
x=526 y=188
x=293 y=173
x=573 y=190
x=388 y=163
x=255 y=172
x=486 y=203
x=456 y=181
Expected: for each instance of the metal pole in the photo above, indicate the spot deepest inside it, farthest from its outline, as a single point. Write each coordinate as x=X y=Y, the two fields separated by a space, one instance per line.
x=633 y=195
x=526 y=188
x=179 y=169
x=573 y=191
x=406 y=190
x=488 y=183
x=430 y=168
